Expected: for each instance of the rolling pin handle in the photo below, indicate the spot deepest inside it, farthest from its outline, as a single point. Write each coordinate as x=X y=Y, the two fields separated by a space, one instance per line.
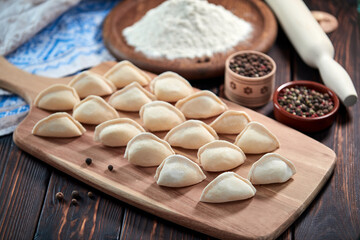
x=337 y=79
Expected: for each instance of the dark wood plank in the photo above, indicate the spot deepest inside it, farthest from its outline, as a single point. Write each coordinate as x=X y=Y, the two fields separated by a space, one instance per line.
x=140 y=225
x=335 y=213
x=23 y=183
x=288 y=234
x=97 y=218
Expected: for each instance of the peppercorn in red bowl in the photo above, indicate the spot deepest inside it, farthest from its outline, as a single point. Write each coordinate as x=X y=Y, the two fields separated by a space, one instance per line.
x=305 y=105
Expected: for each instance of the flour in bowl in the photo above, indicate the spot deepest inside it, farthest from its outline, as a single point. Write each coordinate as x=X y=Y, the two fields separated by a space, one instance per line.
x=186 y=29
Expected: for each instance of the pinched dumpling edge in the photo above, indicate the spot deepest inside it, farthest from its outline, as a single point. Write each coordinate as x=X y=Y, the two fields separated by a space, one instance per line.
x=221 y=143
x=58 y=115
x=265 y=158
x=130 y=64
x=220 y=178
x=103 y=125
x=259 y=124
x=179 y=104
x=188 y=122
x=127 y=88
x=131 y=86
x=144 y=136
x=166 y=75
x=164 y=104
x=226 y=114
x=99 y=99
x=183 y=158
x=94 y=75
x=54 y=88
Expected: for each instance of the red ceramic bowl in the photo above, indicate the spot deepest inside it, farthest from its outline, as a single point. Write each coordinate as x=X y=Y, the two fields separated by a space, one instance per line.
x=308 y=124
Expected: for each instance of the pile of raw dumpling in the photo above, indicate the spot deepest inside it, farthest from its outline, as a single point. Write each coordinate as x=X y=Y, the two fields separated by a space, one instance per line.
x=168 y=105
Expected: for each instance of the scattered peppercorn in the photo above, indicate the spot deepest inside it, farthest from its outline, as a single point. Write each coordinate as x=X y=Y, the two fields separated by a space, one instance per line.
x=110 y=167
x=250 y=65
x=74 y=201
x=91 y=195
x=304 y=102
x=88 y=161
x=59 y=196
x=75 y=194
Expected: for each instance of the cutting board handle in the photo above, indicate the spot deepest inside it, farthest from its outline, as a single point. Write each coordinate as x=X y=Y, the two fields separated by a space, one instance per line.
x=23 y=83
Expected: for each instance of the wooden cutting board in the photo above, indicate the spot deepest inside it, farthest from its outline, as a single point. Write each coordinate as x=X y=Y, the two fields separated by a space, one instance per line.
x=265 y=216
x=127 y=12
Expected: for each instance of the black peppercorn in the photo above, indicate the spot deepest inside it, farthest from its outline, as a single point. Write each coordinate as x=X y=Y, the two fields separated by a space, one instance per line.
x=75 y=194
x=59 y=196
x=250 y=65
x=304 y=102
x=110 y=167
x=74 y=201
x=88 y=161
x=90 y=195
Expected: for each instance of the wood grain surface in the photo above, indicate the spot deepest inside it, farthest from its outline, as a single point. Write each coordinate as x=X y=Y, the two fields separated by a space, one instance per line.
x=21 y=201
x=101 y=214
x=334 y=214
x=127 y=12
x=267 y=215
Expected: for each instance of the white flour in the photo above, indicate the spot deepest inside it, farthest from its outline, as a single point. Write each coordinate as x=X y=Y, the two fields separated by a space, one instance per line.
x=186 y=29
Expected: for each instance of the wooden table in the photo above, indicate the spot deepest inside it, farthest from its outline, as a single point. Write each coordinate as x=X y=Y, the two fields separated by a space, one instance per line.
x=29 y=209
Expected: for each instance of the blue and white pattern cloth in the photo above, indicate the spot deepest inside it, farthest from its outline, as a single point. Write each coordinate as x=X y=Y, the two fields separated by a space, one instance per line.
x=71 y=43
x=13 y=110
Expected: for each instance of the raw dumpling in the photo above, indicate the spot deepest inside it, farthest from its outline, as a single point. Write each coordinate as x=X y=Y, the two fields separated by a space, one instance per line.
x=203 y=104
x=117 y=132
x=191 y=134
x=178 y=171
x=89 y=83
x=124 y=73
x=57 y=97
x=147 y=150
x=60 y=125
x=170 y=87
x=220 y=155
x=131 y=98
x=227 y=187
x=94 y=110
x=256 y=138
x=230 y=122
x=271 y=168
x=160 y=116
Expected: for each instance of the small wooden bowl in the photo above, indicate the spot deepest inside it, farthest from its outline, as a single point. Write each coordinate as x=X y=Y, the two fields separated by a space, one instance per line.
x=309 y=124
x=249 y=91
x=128 y=12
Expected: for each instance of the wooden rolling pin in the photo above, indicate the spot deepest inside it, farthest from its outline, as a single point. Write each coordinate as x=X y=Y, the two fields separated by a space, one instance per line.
x=313 y=46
